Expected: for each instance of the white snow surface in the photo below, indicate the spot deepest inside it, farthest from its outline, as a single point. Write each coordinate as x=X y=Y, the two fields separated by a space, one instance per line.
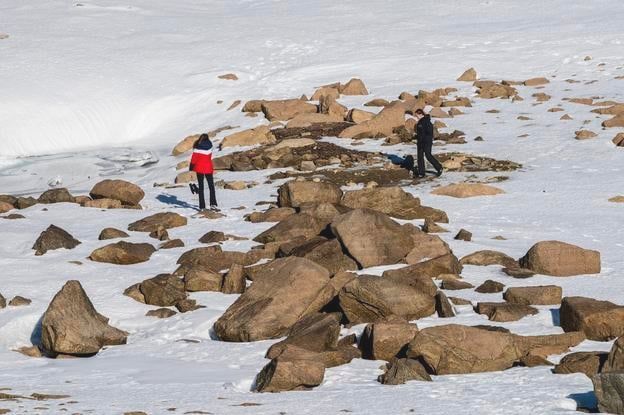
x=105 y=89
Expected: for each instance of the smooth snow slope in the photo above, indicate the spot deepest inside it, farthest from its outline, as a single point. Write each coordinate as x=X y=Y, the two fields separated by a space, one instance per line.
x=78 y=75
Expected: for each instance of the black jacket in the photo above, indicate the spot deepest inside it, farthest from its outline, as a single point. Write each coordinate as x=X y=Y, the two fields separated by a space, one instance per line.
x=424 y=129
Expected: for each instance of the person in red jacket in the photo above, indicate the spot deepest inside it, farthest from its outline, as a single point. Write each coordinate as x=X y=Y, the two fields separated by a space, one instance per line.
x=201 y=163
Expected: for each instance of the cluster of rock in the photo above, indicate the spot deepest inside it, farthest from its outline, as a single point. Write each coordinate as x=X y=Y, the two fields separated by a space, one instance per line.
x=107 y=194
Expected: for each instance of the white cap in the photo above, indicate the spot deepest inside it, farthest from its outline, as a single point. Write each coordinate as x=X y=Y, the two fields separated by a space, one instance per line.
x=427 y=109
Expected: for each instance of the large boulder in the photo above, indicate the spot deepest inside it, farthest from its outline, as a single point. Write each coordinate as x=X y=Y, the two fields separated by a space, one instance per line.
x=164 y=220
x=316 y=332
x=284 y=110
x=615 y=359
x=384 y=340
x=61 y=195
x=282 y=374
x=72 y=326
x=455 y=349
x=381 y=125
x=561 y=259
x=599 y=320
x=129 y=194
x=371 y=237
x=393 y=201
x=463 y=190
x=539 y=295
x=259 y=135
x=164 y=290
x=123 y=253
x=297 y=193
x=307 y=119
x=469 y=75
x=274 y=302
x=294 y=226
x=368 y=299
x=54 y=238
x=609 y=391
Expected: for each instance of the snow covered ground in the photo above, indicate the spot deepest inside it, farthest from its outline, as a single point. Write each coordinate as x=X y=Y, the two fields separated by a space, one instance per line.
x=106 y=88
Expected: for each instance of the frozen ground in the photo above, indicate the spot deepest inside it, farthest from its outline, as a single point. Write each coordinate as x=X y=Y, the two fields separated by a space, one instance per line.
x=105 y=89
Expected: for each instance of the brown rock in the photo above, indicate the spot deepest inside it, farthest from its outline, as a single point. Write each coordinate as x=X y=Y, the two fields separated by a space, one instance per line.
x=368 y=299
x=103 y=204
x=433 y=268
x=463 y=235
x=609 y=391
x=165 y=220
x=455 y=285
x=172 y=244
x=353 y=87
x=298 y=225
x=539 y=295
x=487 y=257
x=272 y=305
x=296 y=193
x=123 y=253
x=317 y=332
x=284 y=110
x=61 y=195
x=617 y=121
x=426 y=246
x=198 y=279
x=234 y=281
x=186 y=305
x=599 y=320
x=489 y=287
x=615 y=359
x=285 y=375
x=272 y=215
x=129 y=194
x=381 y=125
x=259 y=135
x=518 y=272
x=618 y=140
x=536 y=82
x=589 y=363
x=72 y=326
x=5 y=207
x=377 y=102
x=327 y=253
x=359 y=116
x=331 y=91
x=469 y=75
x=18 y=301
x=372 y=238
x=463 y=190
x=25 y=202
x=54 y=238
x=185 y=145
x=400 y=371
x=561 y=259
x=443 y=306
x=585 y=134
x=384 y=340
x=504 y=312
x=161 y=313
x=164 y=290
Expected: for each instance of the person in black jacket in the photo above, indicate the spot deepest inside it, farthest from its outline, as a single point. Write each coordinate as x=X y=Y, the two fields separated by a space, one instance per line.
x=424 y=142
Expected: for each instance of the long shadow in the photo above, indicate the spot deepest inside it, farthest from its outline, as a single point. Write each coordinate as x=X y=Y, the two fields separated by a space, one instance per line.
x=35 y=336
x=173 y=200
x=585 y=401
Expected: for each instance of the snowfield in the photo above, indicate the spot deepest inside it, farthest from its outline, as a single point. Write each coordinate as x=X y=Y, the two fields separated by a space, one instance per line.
x=105 y=89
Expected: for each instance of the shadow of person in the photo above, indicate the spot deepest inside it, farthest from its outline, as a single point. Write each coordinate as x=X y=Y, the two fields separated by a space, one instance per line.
x=173 y=200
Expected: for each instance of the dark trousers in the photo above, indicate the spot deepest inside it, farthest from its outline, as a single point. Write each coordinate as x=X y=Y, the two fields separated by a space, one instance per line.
x=424 y=150
x=211 y=188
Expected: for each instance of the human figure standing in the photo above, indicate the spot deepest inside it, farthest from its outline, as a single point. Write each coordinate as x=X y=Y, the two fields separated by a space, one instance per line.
x=424 y=142
x=201 y=164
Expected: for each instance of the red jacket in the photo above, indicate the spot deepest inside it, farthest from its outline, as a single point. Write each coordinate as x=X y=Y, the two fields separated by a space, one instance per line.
x=201 y=161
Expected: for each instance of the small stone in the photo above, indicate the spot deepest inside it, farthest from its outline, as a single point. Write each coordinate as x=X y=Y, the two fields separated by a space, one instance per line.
x=161 y=313
x=463 y=235
x=19 y=301
x=489 y=287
